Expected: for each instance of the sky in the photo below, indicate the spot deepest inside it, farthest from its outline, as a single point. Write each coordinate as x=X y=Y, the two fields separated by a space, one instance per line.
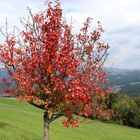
x=119 y=18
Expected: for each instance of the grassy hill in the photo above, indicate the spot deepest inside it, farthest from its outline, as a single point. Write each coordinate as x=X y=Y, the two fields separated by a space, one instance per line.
x=20 y=121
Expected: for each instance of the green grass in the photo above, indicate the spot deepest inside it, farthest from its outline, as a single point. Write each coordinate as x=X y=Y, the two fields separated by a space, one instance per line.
x=21 y=121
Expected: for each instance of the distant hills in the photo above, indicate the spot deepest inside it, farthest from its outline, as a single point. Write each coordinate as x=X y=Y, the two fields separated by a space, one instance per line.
x=3 y=74
x=121 y=80
x=125 y=81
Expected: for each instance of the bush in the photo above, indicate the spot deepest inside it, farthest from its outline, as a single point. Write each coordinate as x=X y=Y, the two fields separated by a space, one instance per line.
x=136 y=120
x=126 y=109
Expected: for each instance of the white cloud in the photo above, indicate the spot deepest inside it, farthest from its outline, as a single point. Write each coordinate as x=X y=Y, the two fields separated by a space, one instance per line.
x=120 y=19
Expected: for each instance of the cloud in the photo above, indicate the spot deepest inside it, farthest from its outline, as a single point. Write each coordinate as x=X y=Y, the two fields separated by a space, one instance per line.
x=120 y=19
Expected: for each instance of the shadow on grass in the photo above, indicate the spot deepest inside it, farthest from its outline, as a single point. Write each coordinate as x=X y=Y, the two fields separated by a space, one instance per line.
x=3 y=124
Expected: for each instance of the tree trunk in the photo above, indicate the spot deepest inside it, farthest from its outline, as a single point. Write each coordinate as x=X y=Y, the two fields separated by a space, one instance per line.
x=46 y=126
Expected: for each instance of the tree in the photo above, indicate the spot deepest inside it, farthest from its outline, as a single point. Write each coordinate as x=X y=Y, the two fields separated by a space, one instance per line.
x=55 y=70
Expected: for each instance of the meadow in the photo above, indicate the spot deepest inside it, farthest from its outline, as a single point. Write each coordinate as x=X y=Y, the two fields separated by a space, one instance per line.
x=21 y=121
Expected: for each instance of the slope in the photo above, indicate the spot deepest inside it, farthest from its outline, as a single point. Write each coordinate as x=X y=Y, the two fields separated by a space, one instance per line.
x=21 y=121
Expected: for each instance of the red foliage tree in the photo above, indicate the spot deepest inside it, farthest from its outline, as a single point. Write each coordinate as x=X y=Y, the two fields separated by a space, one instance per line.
x=55 y=70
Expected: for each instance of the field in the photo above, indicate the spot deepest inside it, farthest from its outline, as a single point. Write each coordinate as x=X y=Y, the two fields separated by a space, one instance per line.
x=20 y=121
